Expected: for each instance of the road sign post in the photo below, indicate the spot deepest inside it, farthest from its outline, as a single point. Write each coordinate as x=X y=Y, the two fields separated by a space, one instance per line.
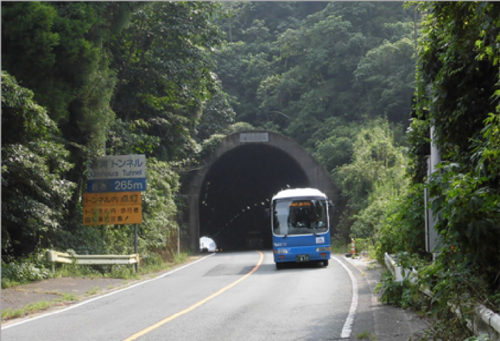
x=136 y=246
x=114 y=192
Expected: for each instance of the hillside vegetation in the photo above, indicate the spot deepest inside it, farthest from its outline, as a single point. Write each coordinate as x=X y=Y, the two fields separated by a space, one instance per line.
x=357 y=84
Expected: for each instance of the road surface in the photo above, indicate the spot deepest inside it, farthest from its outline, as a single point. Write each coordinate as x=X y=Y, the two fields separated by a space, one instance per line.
x=226 y=296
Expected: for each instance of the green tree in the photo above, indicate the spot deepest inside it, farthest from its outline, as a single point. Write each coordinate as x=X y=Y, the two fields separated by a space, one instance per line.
x=160 y=228
x=334 y=144
x=164 y=71
x=248 y=57
x=59 y=50
x=462 y=78
x=55 y=49
x=29 y=40
x=217 y=114
x=35 y=194
x=402 y=230
x=330 y=63
x=375 y=176
x=385 y=78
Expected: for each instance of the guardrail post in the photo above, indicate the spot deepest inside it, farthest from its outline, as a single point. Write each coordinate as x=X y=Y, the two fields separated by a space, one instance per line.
x=395 y=269
x=50 y=259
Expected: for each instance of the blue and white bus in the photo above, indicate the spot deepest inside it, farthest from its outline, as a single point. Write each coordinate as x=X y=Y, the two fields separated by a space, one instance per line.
x=300 y=226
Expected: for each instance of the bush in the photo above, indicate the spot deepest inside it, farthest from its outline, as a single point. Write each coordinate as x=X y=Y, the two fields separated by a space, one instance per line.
x=403 y=226
x=35 y=195
x=363 y=244
x=23 y=271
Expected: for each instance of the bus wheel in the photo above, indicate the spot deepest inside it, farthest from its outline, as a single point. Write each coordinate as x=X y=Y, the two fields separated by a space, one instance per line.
x=279 y=266
x=325 y=263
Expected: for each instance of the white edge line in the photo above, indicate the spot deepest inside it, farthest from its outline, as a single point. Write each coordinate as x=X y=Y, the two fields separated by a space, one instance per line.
x=105 y=295
x=347 y=329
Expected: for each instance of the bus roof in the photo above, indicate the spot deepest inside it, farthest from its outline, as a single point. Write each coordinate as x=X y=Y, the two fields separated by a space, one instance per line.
x=299 y=192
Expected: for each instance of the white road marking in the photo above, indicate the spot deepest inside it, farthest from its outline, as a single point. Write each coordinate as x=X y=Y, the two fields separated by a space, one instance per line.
x=347 y=329
x=105 y=295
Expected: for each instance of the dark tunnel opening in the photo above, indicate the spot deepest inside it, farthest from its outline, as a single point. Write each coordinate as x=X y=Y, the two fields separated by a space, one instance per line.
x=237 y=191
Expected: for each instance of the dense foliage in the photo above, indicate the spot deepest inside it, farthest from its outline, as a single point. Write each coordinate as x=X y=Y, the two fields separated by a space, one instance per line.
x=374 y=177
x=343 y=61
x=461 y=99
x=109 y=78
x=457 y=92
x=35 y=193
x=163 y=63
x=59 y=51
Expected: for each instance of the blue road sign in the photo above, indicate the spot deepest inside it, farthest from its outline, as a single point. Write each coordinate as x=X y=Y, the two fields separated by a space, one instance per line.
x=116 y=185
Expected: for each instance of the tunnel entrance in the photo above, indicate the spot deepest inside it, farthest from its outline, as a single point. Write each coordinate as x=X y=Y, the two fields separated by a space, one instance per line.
x=227 y=197
x=236 y=192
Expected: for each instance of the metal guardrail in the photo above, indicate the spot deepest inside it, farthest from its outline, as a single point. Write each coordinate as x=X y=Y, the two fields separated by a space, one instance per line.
x=62 y=257
x=490 y=318
x=486 y=321
x=393 y=267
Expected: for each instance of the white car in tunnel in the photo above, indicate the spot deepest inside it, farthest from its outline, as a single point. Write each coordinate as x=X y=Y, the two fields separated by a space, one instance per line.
x=207 y=244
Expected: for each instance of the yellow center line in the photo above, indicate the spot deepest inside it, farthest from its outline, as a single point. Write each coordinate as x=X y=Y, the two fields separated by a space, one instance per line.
x=196 y=305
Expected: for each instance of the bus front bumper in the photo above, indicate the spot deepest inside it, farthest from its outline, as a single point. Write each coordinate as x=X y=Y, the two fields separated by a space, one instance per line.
x=302 y=254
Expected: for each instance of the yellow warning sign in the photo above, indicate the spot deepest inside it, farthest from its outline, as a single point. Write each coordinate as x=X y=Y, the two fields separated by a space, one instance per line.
x=113 y=208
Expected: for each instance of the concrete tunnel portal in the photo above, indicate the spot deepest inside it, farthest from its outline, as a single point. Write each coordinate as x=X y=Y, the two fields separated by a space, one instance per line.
x=228 y=197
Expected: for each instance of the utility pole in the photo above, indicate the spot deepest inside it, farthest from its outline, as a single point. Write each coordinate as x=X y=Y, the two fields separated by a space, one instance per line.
x=432 y=239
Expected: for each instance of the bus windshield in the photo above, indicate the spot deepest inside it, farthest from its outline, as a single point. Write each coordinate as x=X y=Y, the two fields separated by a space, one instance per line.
x=299 y=216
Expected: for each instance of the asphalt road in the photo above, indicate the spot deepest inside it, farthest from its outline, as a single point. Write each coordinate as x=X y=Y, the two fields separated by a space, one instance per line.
x=227 y=296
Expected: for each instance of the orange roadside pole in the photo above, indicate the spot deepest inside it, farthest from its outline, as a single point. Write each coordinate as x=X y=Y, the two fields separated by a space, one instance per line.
x=353 y=247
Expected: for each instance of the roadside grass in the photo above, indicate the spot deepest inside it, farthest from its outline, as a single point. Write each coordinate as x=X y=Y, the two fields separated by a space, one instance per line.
x=8 y=283
x=69 y=297
x=92 y=291
x=127 y=272
x=366 y=336
x=31 y=308
x=8 y=313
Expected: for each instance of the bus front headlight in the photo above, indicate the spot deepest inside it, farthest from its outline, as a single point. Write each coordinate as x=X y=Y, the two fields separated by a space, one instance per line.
x=323 y=248
x=281 y=251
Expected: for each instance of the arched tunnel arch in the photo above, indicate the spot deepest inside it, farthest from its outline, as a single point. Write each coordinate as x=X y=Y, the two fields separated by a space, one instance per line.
x=228 y=197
